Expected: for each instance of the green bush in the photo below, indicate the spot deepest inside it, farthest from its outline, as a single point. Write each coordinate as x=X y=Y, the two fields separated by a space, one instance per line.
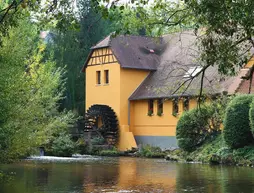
x=237 y=132
x=251 y=116
x=109 y=152
x=82 y=146
x=245 y=153
x=193 y=128
x=151 y=152
x=63 y=145
x=98 y=141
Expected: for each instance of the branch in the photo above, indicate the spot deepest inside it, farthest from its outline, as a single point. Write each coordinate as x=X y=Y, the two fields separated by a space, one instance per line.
x=201 y=88
x=174 y=14
x=13 y=5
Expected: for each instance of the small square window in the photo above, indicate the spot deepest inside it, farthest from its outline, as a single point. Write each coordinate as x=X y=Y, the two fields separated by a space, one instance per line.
x=106 y=76
x=98 y=77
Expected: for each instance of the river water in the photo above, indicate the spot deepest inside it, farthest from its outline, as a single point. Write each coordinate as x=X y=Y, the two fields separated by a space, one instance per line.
x=101 y=174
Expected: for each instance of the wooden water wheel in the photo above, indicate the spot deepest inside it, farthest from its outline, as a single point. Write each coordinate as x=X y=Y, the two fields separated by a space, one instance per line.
x=102 y=120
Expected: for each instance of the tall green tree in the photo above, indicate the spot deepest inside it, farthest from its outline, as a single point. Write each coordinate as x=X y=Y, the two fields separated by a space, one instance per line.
x=224 y=28
x=60 y=13
x=30 y=91
x=71 y=48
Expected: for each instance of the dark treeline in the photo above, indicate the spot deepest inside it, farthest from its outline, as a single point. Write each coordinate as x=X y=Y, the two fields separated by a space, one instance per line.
x=70 y=49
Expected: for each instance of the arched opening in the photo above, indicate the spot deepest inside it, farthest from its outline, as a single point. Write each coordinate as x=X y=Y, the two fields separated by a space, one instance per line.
x=102 y=120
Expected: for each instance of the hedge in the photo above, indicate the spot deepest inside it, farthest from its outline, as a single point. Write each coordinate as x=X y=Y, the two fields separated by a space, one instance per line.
x=237 y=131
x=63 y=146
x=193 y=128
x=251 y=117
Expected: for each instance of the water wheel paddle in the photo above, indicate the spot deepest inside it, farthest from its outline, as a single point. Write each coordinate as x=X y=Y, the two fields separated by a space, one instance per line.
x=102 y=120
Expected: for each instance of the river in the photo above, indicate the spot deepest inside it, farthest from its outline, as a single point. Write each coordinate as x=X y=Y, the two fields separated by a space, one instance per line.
x=102 y=174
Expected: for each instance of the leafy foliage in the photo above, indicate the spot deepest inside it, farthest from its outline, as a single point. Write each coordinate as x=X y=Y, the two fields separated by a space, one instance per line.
x=60 y=14
x=148 y=18
x=63 y=145
x=245 y=153
x=195 y=126
x=237 y=132
x=98 y=141
x=30 y=91
x=110 y=152
x=224 y=30
x=71 y=48
x=216 y=151
x=251 y=116
x=151 y=152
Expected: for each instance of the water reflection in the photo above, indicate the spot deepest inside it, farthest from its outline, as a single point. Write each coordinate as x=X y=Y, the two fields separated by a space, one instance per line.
x=126 y=174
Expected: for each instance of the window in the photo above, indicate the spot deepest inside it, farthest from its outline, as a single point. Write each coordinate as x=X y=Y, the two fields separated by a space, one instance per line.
x=106 y=76
x=150 y=107
x=185 y=104
x=175 y=107
x=98 y=77
x=192 y=71
x=160 y=107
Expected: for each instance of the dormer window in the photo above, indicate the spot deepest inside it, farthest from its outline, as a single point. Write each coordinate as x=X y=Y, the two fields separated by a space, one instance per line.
x=193 y=71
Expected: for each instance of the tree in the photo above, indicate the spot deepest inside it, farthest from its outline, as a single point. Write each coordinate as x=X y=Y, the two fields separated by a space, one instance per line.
x=59 y=13
x=199 y=124
x=71 y=49
x=30 y=91
x=237 y=129
x=224 y=29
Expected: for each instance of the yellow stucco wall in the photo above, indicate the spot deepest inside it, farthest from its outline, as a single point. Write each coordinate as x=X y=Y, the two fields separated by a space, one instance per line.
x=250 y=63
x=107 y=94
x=122 y=83
x=165 y=125
x=130 y=80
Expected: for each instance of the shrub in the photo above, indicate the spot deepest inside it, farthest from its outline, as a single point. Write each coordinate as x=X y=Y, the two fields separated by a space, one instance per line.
x=245 y=153
x=110 y=152
x=237 y=132
x=98 y=141
x=251 y=116
x=63 y=146
x=193 y=128
x=151 y=152
x=82 y=147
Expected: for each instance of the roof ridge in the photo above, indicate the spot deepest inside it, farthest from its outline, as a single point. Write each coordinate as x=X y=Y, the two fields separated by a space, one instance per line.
x=94 y=46
x=133 y=35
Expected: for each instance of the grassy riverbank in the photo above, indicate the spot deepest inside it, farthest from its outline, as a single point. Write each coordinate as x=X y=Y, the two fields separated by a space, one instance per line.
x=215 y=151
x=145 y=151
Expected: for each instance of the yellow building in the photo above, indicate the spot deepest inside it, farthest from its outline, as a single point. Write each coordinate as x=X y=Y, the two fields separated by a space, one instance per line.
x=141 y=85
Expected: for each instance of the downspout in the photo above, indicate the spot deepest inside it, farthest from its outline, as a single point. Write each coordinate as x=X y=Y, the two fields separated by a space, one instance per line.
x=129 y=113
